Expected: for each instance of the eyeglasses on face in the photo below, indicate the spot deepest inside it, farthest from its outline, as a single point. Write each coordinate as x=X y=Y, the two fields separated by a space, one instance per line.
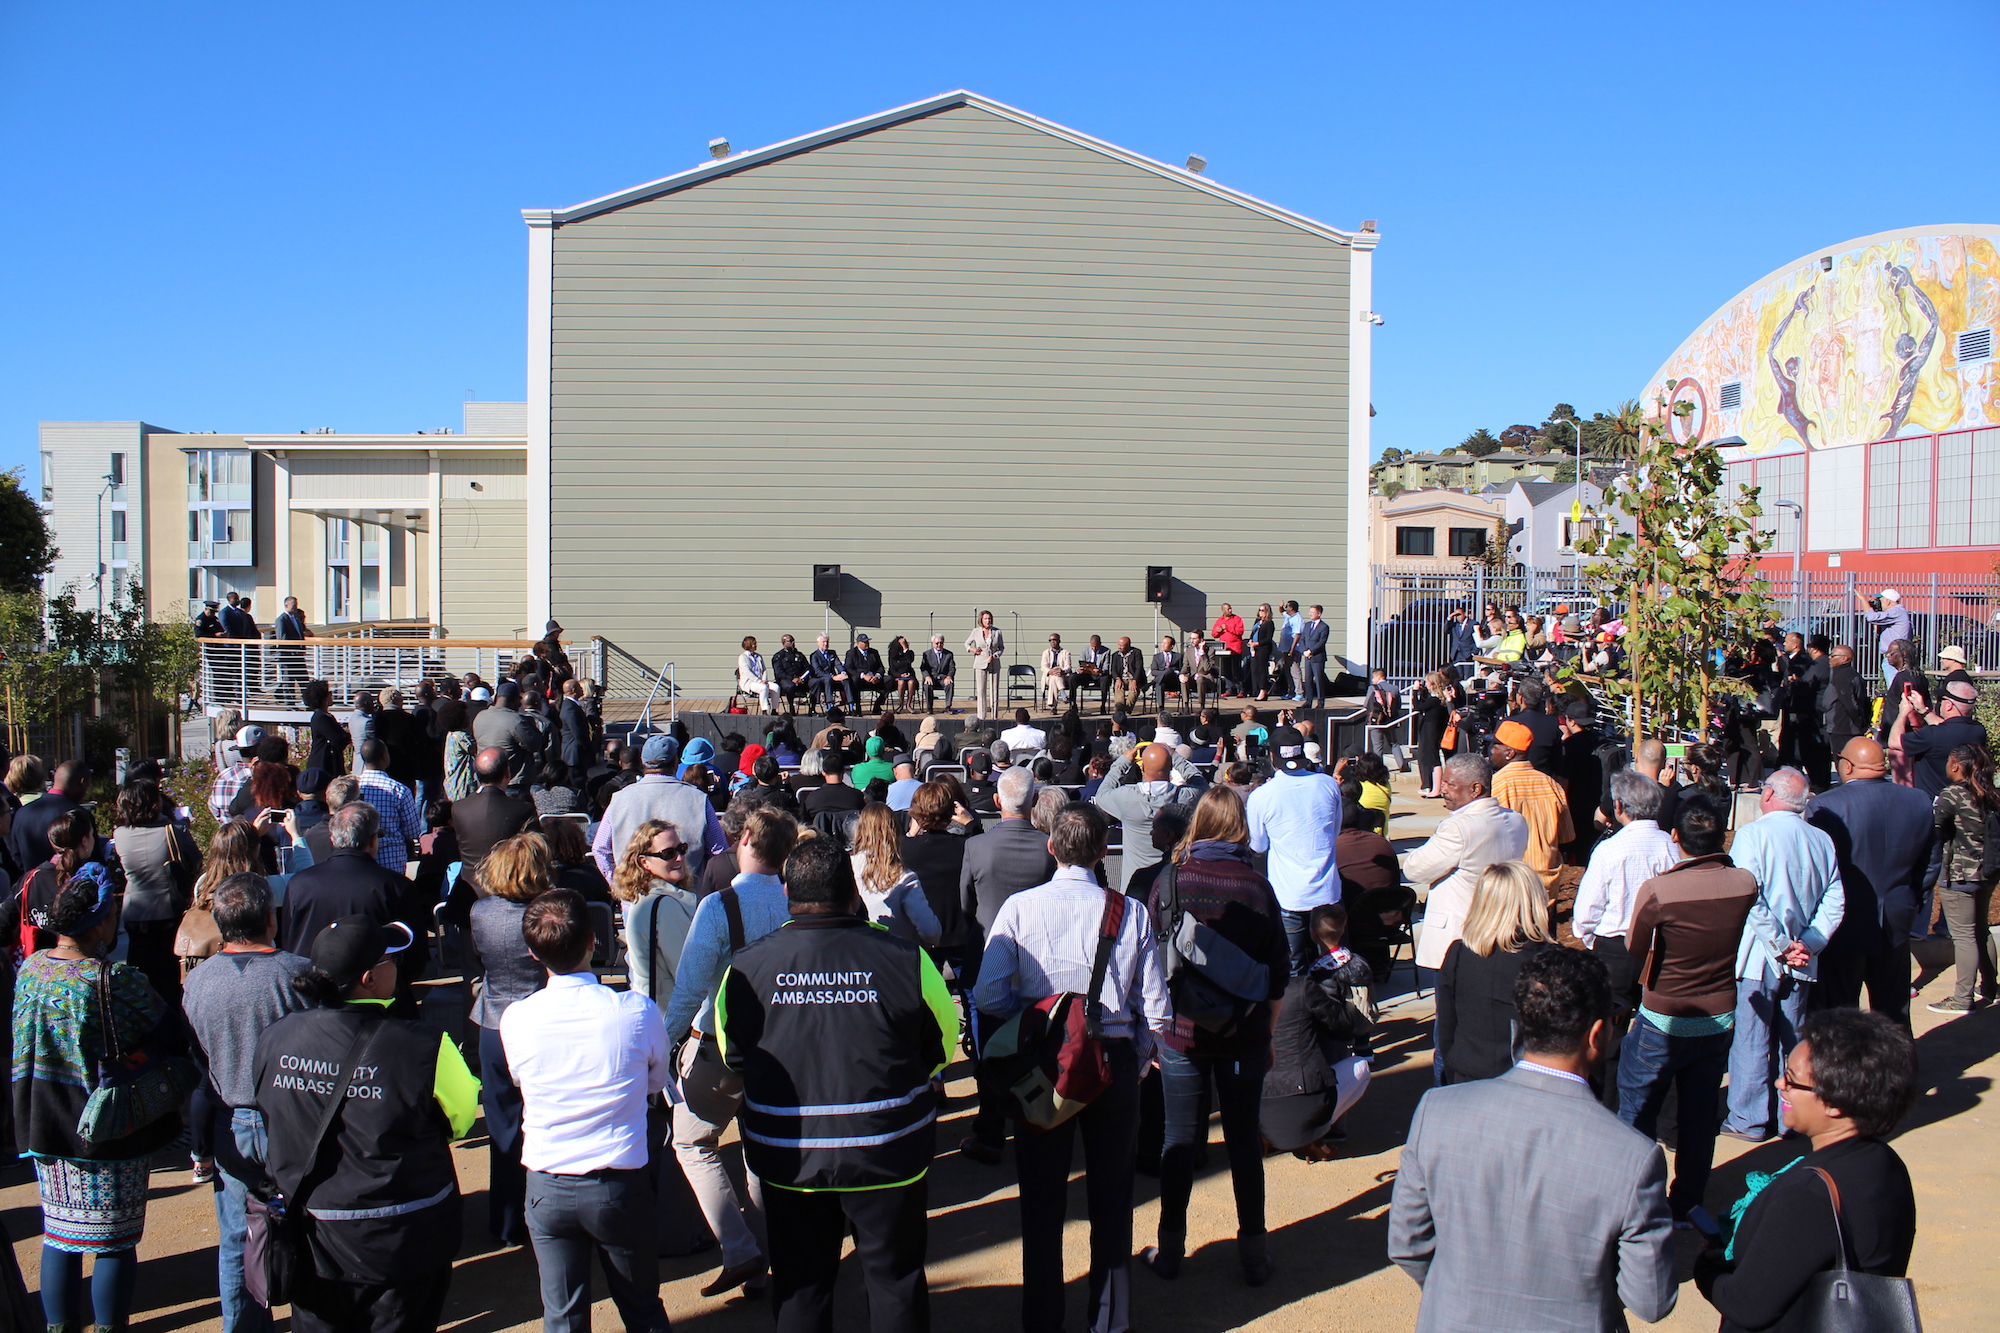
x=665 y=854
x=1787 y=1080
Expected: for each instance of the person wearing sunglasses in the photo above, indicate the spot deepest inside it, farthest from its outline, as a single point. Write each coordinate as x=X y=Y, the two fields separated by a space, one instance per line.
x=1845 y=1087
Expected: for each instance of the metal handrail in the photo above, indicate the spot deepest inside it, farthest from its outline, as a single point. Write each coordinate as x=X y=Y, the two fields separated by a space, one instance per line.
x=665 y=676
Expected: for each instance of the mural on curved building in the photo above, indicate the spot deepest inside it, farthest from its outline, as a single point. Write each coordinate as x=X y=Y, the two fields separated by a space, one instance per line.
x=1864 y=350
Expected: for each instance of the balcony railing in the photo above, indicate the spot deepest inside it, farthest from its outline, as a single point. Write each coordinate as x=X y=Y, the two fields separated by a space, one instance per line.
x=222 y=553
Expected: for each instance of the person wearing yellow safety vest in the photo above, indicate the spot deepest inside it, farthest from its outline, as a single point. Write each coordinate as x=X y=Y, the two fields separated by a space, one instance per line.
x=841 y=1032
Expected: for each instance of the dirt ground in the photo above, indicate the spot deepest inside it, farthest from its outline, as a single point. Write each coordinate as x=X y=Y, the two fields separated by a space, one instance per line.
x=1327 y=1221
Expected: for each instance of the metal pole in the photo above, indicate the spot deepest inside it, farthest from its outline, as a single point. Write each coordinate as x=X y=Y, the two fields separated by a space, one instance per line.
x=1798 y=557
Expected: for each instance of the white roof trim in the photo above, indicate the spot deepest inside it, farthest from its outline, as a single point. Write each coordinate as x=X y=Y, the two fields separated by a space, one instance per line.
x=916 y=110
x=352 y=443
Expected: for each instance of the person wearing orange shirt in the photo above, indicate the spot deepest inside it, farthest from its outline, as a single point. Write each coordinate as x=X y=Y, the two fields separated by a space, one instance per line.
x=1538 y=798
x=1228 y=628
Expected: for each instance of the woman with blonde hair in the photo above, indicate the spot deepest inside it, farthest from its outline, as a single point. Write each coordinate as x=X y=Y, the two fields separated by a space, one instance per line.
x=1210 y=878
x=893 y=896
x=1507 y=924
x=513 y=874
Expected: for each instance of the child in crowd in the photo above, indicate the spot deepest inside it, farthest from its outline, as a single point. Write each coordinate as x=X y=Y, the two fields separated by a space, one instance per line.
x=1321 y=1059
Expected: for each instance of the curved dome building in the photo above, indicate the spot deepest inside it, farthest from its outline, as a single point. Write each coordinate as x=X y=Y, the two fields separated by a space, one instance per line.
x=1862 y=382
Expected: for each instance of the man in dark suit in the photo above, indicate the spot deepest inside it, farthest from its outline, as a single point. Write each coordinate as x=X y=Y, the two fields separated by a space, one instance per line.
x=347 y=883
x=1311 y=648
x=1168 y=665
x=792 y=672
x=829 y=675
x=1882 y=836
x=1010 y=856
x=940 y=668
x=1464 y=641
x=489 y=816
x=1843 y=702
x=866 y=672
x=30 y=837
x=575 y=728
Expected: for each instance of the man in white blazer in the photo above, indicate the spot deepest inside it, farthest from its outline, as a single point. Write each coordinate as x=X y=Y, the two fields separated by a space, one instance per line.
x=1478 y=832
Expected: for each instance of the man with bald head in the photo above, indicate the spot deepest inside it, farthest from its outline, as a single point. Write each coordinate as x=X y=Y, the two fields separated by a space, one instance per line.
x=1882 y=837
x=1650 y=758
x=1800 y=902
x=490 y=815
x=1164 y=778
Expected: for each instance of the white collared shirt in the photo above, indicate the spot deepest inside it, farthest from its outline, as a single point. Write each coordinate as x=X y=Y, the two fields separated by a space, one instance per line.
x=1044 y=941
x=1618 y=866
x=1025 y=737
x=585 y=1057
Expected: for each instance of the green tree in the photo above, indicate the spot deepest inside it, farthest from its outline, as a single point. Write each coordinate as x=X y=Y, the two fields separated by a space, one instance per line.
x=1391 y=489
x=1688 y=576
x=1480 y=443
x=117 y=667
x=1559 y=431
x=26 y=552
x=1392 y=456
x=1616 y=434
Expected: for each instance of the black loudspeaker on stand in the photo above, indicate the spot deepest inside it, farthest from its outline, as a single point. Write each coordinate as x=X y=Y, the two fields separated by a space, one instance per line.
x=826 y=583
x=1159 y=583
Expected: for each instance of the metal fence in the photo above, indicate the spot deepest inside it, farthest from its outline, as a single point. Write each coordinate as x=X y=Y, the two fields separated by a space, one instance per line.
x=1409 y=633
x=263 y=677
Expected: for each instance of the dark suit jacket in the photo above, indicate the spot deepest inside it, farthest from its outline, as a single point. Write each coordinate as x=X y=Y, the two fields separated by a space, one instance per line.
x=1882 y=836
x=939 y=663
x=1010 y=856
x=575 y=735
x=1312 y=639
x=865 y=662
x=291 y=625
x=487 y=817
x=1475 y=1010
x=345 y=884
x=30 y=838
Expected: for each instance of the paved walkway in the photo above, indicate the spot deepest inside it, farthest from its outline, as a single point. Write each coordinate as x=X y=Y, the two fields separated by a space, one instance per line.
x=1327 y=1221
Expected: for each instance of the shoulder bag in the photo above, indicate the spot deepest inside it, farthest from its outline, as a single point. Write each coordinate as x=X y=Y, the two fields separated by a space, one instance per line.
x=276 y=1252
x=711 y=1089
x=1844 y=1301
x=135 y=1086
x=1213 y=983
x=1048 y=1062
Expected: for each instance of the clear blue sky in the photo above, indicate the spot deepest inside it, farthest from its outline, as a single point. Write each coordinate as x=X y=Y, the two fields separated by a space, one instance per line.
x=275 y=217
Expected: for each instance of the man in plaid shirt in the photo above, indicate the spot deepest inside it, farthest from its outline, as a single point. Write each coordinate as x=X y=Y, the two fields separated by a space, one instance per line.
x=229 y=783
x=402 y=817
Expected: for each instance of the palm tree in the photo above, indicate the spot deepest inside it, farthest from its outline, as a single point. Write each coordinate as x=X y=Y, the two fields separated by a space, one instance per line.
x=1624 y=431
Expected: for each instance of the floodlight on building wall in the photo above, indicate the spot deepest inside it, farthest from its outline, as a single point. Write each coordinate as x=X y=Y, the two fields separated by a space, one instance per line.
x=718 y=148
x=1197 y=163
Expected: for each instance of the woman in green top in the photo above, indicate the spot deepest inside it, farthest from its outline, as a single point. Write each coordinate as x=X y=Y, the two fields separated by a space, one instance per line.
x=93 y=1194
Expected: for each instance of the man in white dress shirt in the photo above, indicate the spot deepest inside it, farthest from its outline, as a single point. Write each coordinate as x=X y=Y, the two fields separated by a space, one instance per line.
x=1024 y=734
x=1044 y=942
x=1639 y=850
x=586 y=1057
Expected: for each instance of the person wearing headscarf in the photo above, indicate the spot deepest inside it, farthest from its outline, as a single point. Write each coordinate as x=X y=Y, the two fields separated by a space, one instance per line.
x=746 y=768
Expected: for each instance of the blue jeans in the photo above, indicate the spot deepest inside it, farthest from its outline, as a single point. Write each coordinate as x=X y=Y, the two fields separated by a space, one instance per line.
x=1299 y=939
x=1239 y=1089
x=1768 y=1014
x=1649 y=1063
x=240 y=1153
x=610 y=1213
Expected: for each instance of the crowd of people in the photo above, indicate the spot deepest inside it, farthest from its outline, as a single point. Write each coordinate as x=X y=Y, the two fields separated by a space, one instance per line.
x=1128 y=923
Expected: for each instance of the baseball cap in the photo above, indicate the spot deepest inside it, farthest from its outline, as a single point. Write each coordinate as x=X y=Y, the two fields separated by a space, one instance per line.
x=1288 y=750
x=481 y=694
x=313 y=781
x=353 y=944
x=1890 y=595
x=1514 y=735
x=249 y=737
x=659 y=751
x=1952 y=653
x=861 y=638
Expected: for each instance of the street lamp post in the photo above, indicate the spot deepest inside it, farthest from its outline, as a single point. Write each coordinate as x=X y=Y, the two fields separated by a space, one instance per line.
x=102 y=492
x=1798 y=549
